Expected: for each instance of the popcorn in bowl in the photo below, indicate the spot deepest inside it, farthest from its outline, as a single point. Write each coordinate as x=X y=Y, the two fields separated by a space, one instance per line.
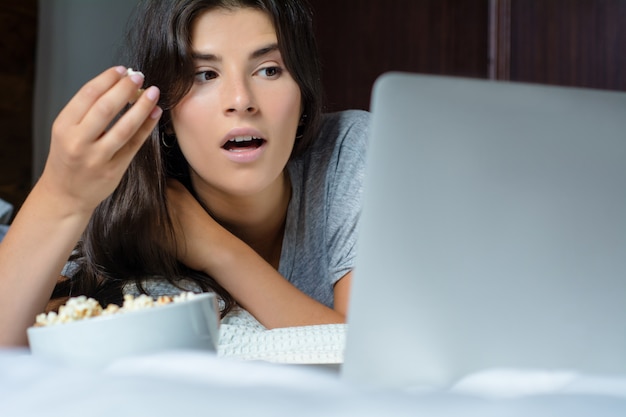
x=84 y=333
x=81 y=307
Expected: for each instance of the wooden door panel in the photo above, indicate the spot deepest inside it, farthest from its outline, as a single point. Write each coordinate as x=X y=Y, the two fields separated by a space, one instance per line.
x=361 y=39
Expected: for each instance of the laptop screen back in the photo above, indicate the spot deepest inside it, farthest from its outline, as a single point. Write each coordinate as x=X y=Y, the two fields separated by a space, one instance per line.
x=493 y=233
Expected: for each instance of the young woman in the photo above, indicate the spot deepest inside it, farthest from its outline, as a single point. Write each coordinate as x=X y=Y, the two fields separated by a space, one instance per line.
x=223 y=175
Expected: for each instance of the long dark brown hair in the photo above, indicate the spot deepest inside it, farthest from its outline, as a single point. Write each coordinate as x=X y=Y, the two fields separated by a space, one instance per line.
x=130 y=236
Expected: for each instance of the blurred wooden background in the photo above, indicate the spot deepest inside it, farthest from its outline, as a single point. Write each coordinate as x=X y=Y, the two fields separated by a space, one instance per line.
x=18 y=34
x=562 y=42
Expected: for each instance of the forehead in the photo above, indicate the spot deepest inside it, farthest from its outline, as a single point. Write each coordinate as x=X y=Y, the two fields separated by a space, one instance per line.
x=235 y=28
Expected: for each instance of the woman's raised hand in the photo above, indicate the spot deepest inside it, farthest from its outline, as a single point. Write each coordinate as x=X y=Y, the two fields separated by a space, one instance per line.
x=87 y=157
x=87 y=160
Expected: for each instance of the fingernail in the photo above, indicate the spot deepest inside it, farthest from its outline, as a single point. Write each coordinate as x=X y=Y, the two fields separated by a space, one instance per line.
x=156 y=112
x=152 y=93
x=137 y=79
x=120 y=69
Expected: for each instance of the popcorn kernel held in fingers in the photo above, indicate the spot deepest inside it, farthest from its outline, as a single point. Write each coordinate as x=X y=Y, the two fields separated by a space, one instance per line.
x=130 y=72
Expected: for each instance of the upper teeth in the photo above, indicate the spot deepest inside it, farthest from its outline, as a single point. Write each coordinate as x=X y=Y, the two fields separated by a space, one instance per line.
x=242 y=139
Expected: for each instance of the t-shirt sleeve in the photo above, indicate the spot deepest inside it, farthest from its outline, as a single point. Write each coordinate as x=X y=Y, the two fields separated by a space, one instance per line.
x=345 y=192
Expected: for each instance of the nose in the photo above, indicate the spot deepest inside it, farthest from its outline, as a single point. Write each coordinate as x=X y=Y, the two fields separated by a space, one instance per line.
x=239 y=97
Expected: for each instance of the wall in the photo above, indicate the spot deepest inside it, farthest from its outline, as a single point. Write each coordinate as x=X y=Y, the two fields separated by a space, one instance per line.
x=361 y=39
x=565 y=42
x=18 y=28
x=569 y=42
x=77 y=40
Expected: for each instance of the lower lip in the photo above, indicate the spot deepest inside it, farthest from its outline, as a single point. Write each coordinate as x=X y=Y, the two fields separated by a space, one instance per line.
x=245 y=156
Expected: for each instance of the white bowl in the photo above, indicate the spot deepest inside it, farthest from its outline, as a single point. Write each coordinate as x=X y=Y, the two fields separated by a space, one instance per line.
x=97 y=341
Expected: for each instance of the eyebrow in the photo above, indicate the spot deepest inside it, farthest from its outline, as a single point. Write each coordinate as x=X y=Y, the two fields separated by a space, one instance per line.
x=199 y=56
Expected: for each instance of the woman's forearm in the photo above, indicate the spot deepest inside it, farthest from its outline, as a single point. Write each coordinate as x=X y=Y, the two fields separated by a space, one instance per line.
x=32 y=255
x=261 y=290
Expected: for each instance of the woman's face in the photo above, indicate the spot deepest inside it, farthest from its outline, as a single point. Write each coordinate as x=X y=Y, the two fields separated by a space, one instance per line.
x=236 y=126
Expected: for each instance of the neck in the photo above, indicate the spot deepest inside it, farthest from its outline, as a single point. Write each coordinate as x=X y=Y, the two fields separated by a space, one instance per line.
x=258 y=220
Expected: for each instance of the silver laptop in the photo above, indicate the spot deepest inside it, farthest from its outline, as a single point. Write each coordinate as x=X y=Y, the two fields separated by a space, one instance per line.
x=493 y=233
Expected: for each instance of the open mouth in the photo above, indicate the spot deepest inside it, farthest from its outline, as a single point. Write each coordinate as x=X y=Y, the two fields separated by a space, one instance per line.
x=243 y=143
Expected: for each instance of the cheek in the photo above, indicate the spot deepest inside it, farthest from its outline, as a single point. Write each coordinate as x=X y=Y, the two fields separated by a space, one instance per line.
x=187 y=124
x=187 y=115
x=287 y=107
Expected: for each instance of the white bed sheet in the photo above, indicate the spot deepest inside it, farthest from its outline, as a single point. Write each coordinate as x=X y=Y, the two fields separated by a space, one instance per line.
x=186 y=383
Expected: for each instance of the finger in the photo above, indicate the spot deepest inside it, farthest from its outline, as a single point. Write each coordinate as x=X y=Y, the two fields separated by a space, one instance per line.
x=127 y=152
x=133 y=128
x=82 y=101
x=109 y=105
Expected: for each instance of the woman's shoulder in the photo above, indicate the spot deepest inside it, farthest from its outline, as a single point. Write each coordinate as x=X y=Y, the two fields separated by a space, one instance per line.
x=340 y=135
x=345 y=120
x=344 y=128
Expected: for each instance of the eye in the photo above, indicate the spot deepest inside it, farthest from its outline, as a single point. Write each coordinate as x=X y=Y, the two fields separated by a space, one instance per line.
x=271 y=72
x=202 y=76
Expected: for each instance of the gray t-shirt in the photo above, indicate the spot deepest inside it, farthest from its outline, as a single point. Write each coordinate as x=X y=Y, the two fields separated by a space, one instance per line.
x=319 y=245
x=5 y=215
